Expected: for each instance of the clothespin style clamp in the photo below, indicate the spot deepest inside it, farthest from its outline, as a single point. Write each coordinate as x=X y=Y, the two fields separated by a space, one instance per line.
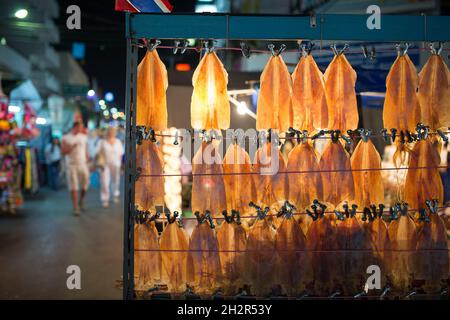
x=260 y=213
x=365 y=134
x=152 y=45
x=305 y=48
x=423 y=216
x=339 y=52
x=335 y=135
x=434 y=50
x=368 y=55
x=442 y=135
x=367 y=214
x=177 y=47
x=398 y=47
x=422 y=131
x=433 y=205
x=245 y=49
x=380 y=212
x=318 y=134
x=318 y=208
x=276 y=52
x=209 y=46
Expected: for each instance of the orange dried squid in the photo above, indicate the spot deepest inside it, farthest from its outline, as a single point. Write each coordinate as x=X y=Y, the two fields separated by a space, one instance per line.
x=208 y=188
x=309 y=104
x=274 y=100
x=293 y=264
x=148 y=268
x=240 y=187
x=232 y=239
x=210 y=107
x=260 y=255
x=432 y=252
x=340 y=79
x=423 y=184
x=149 y=191
x=401 y=105
x=337 y=176
x=174 y=244
x=306 y=186
x=152 y=83
x=434 y=93
x=203 y=267
x=369 y=187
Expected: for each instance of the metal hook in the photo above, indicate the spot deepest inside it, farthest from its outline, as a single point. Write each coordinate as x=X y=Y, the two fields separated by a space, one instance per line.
x=176 y=138
x=183 y=47
x=245 y=49
x=275 y=52
x=152 y=45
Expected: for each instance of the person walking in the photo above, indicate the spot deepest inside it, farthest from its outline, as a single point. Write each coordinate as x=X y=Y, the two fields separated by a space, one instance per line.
x=108 y=160
x=74 y=147
x=53 y=160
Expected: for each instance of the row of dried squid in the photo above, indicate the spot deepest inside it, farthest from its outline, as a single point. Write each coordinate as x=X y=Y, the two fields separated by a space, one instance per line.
x=305 y=100
x=332 y=257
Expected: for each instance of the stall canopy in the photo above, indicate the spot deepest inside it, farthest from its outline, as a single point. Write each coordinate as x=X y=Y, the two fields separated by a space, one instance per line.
x=26 y=92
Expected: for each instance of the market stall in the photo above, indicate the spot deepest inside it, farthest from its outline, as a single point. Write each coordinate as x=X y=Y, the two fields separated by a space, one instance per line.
x=314 y=222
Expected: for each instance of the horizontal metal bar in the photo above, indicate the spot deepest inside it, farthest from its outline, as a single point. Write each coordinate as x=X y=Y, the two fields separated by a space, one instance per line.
x=339 y=27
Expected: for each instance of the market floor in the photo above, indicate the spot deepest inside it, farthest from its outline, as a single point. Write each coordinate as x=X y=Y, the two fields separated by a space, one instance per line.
x=44 y=238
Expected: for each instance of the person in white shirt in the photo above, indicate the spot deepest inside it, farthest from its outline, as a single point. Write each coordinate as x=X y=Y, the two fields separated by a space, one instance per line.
x=53 y=159
x=74 y=147
x=109 y=160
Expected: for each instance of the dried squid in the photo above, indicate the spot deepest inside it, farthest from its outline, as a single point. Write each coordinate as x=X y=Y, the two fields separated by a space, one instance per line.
x=434 y=93
x=174 y=244
x=260 y=255
x=322 y=247
x=309 y=104
x=240 y=188
x=432 y=252
x=208 y=188
x=340 y=79
x=336 y=173
x=274 y=100
x=293 y=271
x=149 y=191
x=152 y=83
x=148 y=268
x=270 y=180
x=401 y=105
x=203 y=265
x=423 y=184
x=232 y=238
x=306 y=186
x=210 y=107
x=403 y=242
x=369 y=187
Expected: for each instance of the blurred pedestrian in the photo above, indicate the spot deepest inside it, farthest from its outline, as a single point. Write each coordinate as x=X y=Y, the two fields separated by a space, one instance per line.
x=74 y=147
x=53 y=161
x=108 y=160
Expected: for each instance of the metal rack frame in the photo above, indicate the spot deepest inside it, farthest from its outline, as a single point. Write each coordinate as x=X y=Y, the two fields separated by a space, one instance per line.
x=325 y=27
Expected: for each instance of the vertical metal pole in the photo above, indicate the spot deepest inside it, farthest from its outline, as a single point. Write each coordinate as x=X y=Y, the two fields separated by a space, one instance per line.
x=130 y=168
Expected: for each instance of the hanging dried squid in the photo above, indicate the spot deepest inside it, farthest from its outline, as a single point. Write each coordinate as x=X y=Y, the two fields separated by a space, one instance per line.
x=309 y=104
x=152 y=83
x=208 y=187
x=203 y=266
x=274 y=109
x=210 y=107
x=340 y=79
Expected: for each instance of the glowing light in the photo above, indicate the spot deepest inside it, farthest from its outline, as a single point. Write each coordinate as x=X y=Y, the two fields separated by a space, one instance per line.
x=242 y=108
x=106 y=113
x=91 y=93
x=109 y=96
x=41 y=121
x=113 y=110
x=182 y=67
x=21 y=13
x=115 y=116
x=103 y=107
x=102 y=102
x=14 y=109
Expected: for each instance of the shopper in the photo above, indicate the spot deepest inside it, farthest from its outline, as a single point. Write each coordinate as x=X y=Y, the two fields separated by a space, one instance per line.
x=53 y=161
x=74 y=147
x=108 y=160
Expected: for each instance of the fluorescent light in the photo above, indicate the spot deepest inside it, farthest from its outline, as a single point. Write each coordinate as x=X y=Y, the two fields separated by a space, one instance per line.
x=14 y=109
x=21 y=13
x=205 y=8
x=41 y=121
x=242 y=108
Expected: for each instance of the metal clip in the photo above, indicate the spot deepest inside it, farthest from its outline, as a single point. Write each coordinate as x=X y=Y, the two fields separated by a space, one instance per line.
x=365 y=134
x=151 y=134
x=175 y=142
x=172 y=219
x=442 y=135
x=393 y=134
x=423 y=216
x=385 y=135
x=368 y=55
x=339 y=52
x=335 y=294
x=318 y=134
x=422 y=131
x=367 y=214
x=335 y=135
x=434 y=50
x=412 y=293
x=339 y=215
x=245 y=49
x=398 y=47
x=305 y=48
x=380 y=212
x=276 y=52
x=385 y=291
x=404 y=208
x=228 y=219
x=210 y=220
x=260 y=213
x=183 y=47
x=433 y=205
x=152 y=45
x=209 y=46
